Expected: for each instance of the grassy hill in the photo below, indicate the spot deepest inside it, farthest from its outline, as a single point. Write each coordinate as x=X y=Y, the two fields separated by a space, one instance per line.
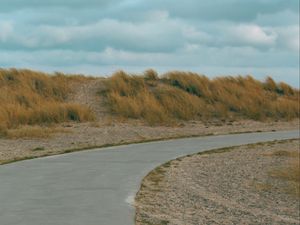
x=34 y=98
x=29 y=98
x=189 y=96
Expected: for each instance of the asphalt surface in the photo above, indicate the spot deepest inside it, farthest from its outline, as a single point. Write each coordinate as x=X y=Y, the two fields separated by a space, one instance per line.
x=96 y=187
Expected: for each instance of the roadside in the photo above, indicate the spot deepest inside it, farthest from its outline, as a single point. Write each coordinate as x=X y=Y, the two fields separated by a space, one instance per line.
x=83 y=112
x=77 y=136
x=249 y=184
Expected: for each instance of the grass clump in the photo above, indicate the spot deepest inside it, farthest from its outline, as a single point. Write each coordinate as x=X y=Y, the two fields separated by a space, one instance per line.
x=33 y=132
x=38 y=149
x=149 y=98
x=130 y=97
x=290 y=172
x=30 y=98
x=190 y=96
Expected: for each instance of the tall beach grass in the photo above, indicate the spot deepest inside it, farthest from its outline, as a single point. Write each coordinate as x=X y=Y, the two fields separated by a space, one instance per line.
x=190 y=96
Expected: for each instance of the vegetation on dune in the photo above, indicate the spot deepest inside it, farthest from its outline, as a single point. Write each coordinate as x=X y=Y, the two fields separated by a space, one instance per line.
x=290 y=172
x=189 y=96
x=35 y=98
x=33 y=132
x=29 y=98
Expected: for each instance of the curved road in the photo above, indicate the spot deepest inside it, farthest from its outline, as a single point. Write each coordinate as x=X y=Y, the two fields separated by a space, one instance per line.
x=96 y=187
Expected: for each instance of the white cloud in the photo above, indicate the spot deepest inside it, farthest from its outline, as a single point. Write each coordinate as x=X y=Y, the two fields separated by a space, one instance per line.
x=157 y=15
x=289 y=37
x=194 y=35
x=254 y=34
x=6 y=29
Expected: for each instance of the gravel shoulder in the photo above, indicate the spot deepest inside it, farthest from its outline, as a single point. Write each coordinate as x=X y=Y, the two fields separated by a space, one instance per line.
x=76 y=136
x=228 y=186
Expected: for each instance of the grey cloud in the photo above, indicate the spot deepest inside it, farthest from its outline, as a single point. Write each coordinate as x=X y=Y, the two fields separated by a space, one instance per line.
x=281 y=18
x=232 y=10
x=198 y=56
x=163 y=34
x=12 y=5
x=139 y=33
x=151 y=36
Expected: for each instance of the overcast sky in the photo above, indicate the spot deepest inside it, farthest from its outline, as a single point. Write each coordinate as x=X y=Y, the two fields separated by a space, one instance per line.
x=219 y=37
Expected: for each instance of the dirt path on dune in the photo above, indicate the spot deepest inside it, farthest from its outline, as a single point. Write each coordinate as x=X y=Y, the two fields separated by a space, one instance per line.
x=87 y=93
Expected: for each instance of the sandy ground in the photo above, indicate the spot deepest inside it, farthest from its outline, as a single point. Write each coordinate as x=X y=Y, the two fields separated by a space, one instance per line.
x=233 y=187
x=88 y=135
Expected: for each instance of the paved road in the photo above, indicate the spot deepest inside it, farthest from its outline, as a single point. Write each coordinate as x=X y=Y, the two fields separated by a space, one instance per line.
x=95 y=187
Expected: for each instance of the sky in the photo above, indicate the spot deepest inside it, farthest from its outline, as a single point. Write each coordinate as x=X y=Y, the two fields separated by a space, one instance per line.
x=98 y=37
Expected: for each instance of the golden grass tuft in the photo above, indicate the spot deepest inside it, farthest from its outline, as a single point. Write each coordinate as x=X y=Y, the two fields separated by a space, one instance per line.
x=33 y=132
x=189 y=96
x=290 y=172
x=29 y=98
x=284 y=153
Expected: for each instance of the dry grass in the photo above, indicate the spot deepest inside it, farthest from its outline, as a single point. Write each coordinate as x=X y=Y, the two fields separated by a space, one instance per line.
x=29 y=98
x=290 y=172
x=189 y=96
x=284 y=153
x=33 y=132
x=130 y=97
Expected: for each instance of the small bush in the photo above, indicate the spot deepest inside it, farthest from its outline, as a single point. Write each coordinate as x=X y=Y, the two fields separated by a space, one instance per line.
x=151 y=75
x=270 y=84
x=190 y=82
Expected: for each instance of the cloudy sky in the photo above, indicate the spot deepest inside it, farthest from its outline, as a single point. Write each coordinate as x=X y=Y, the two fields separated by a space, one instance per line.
x=219 y=37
